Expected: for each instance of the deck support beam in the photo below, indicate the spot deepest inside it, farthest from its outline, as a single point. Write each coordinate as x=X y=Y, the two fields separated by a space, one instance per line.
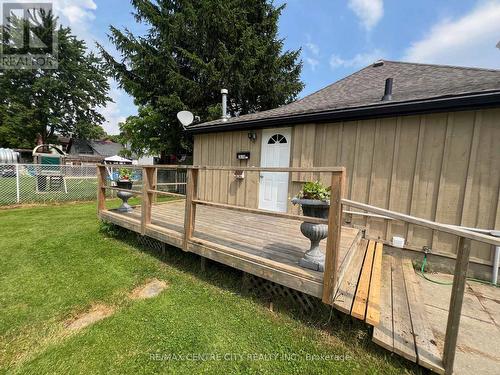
x=333 y=240
x=456 y=301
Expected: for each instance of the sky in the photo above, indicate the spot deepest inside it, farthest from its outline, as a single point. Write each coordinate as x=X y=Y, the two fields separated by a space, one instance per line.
x=337 y=37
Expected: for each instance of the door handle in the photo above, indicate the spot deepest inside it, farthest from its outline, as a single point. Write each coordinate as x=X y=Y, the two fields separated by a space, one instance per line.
x=261 y=176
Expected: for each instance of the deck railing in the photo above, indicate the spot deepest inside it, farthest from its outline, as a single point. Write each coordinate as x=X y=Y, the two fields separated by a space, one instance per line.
x=460 y=273
x=150 y=190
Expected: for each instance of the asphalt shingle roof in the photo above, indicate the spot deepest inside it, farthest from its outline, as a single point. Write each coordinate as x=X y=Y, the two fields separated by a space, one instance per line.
x=366 y=88
x=101 y=148
x=106 y=148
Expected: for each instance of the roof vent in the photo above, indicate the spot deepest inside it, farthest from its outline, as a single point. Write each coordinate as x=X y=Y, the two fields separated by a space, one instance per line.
x=388 y=90
x=378 y=63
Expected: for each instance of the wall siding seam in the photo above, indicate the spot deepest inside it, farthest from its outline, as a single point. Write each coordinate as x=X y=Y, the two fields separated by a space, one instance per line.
x=442 y=171
x=395 y=156
x=416 y=175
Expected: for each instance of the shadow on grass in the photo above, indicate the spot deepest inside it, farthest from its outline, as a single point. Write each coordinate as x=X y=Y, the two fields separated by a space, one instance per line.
x=352 y=332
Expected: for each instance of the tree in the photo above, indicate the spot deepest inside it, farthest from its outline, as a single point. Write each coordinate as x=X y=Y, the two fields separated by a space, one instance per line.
x=43 y=102
x=191 y=50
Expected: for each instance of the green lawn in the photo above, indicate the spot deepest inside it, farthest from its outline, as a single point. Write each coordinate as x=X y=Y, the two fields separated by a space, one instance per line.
x=56 y=263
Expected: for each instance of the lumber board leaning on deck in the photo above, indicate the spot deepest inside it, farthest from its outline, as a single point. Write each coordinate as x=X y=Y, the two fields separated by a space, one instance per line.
x=373 y=308
x=404 y=343
x=427 y=352
x=346 y=259
x=359 y=305
x=347 y=290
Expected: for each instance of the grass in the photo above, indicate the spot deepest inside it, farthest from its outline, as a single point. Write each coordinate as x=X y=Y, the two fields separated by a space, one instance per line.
x=58 y=262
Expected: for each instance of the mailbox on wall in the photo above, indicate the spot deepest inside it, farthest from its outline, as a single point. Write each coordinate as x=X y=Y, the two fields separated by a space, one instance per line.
x=243 y=155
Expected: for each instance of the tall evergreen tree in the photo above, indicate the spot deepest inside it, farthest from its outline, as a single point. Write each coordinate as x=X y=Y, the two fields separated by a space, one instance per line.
x=191 y=50
x=42 y=102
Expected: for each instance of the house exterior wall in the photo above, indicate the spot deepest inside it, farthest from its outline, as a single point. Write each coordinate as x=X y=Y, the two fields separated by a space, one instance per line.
x=219 y=149
x=443 y=167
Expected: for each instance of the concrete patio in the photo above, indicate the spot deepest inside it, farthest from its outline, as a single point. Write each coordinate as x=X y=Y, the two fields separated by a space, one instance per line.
x=479 y=335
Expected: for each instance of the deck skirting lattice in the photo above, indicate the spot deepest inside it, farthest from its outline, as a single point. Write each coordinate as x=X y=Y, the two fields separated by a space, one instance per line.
x=269 y=289
x=151 y=243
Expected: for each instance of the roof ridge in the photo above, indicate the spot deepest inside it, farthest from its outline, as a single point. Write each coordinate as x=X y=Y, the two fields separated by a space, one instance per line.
x=442 y=65
x=334 y=83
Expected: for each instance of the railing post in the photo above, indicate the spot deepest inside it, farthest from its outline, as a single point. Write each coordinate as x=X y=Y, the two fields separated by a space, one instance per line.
x=333 y=239
x=147 y=197
x=190 y=210
x=101 y=188
x=18 y=187
x=456 y=300
x=154 y=185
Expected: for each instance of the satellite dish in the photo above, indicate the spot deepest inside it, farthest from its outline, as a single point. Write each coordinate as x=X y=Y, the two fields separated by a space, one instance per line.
x=186 y=118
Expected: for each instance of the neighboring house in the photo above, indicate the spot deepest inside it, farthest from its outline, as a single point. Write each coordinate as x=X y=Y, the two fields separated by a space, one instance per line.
x=90 y=152
x=429 y=148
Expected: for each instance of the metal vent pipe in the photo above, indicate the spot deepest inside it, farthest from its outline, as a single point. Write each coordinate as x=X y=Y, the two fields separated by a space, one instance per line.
x=224 y=104
x=388 y=90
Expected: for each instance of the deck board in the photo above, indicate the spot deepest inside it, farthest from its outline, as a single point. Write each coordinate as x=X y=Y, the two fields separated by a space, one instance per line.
x=271 y=242
x=361 y=298
x=373 y=307
x=404 y=327
x=404 y=343
x=425 y=344
x=347 y=290
x=383 y=332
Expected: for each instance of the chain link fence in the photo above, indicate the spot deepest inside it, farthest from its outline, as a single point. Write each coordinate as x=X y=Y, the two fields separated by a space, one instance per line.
x=37 y=183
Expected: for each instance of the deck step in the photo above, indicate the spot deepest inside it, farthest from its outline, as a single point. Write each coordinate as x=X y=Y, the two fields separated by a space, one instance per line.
x=403 y=327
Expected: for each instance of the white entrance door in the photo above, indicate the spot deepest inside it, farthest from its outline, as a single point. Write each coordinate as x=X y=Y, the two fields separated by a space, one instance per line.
x=273 y=190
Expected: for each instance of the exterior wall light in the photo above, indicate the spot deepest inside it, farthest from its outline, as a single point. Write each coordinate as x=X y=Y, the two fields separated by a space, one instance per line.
x=252 y=136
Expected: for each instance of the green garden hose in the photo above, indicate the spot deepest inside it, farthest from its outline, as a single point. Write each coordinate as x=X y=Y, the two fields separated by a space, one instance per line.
x=422 y=272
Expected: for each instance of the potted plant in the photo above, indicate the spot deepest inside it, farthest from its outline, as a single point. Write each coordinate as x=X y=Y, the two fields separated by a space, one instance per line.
x=314 y=199
x=124 y=182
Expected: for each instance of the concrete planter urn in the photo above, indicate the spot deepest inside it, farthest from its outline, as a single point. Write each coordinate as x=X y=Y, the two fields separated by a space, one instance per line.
x=313 y=259
x=124 y=195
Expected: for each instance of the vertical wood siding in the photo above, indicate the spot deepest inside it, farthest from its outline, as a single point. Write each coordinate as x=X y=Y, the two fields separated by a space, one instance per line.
x=219 y=149
x=443 y=167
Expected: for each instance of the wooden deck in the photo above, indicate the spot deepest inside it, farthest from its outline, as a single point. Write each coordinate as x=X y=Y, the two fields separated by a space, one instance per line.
x=266 y=246
x=361 y=277
x=375 y=286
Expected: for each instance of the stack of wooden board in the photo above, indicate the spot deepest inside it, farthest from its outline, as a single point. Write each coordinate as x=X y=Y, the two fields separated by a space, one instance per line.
x=403 y=327
x=359 y=289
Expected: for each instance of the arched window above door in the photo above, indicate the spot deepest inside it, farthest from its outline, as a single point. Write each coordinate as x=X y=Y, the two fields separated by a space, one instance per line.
x=277 y=138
